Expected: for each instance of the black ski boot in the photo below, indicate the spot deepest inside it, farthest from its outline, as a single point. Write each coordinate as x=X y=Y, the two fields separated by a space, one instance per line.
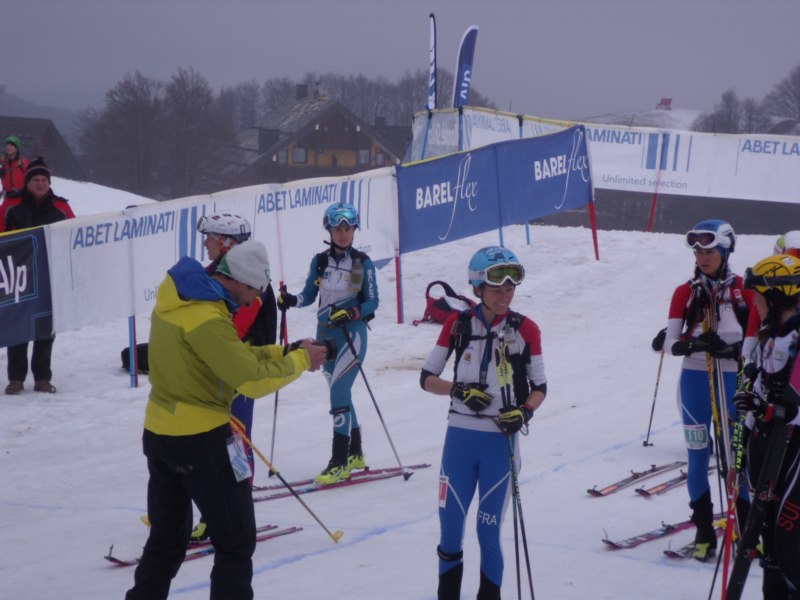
x=488 y=590
x=355 y=456
x=705 y=540
x=336 y=470
x=450 y=583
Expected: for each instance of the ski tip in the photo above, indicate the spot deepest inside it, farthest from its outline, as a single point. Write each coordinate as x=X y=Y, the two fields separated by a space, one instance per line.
x=407 y=475
x=337 y=535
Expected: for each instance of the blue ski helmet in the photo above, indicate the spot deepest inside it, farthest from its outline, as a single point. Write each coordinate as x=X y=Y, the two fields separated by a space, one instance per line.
x=494 y=265
x=712 y=233
x=339 y=213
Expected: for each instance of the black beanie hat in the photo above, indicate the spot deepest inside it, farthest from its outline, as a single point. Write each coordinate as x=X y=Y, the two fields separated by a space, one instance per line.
x=36 y=167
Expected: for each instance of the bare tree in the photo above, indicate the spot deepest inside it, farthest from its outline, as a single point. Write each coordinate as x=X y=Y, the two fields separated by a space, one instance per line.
x=240 y=105
x=784 y=99
x=121 y=143
x=196 y=133
x=732 y=115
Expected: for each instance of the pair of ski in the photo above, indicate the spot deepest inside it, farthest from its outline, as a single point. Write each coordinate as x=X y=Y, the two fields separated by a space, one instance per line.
x=307 y=486
x=665 y=530
x=637 y=476
x=204 y=548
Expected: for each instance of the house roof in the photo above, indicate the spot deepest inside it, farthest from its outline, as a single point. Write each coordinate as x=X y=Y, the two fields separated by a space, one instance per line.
x=28 y=129
x=39 y=136
x=297 y=118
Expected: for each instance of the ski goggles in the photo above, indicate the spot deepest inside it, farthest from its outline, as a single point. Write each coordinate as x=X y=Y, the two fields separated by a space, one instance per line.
x=337 y=220
x=705 y=240
x=497 y=275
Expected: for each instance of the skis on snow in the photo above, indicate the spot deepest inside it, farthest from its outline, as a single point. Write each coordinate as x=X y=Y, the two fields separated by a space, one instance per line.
x=307 y=486
x=665 y=486
x=654 y=534
x=353 y=475
x=634 y=477
x=205 y=548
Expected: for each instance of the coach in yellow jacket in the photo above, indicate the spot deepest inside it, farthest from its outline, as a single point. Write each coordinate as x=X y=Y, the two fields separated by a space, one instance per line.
x=196 y=363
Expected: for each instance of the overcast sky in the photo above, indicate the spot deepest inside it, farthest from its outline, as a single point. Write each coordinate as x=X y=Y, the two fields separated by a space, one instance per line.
x=553 y=58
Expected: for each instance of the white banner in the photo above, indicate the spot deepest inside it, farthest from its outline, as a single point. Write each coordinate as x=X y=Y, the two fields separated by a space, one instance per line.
x=109 y=266
x=642 y=159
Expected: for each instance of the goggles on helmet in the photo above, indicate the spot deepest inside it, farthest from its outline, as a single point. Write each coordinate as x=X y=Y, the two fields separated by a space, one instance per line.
x=497 y=275
x=704 y=239
x=341 y=219
x=762 y=283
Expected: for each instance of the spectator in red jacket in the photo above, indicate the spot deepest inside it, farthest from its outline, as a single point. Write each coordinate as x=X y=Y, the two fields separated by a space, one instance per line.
x=38 y=206
x=13 y=174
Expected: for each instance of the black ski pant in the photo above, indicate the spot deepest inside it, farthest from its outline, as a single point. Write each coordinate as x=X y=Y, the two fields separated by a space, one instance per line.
x=40 y=360
x=195 y=468
x=781 y=530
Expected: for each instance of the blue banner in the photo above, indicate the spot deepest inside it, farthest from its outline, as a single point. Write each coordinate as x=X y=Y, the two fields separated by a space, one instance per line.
x=546 y=176
x=463 y=73
x=26 y=310
x=464 y=194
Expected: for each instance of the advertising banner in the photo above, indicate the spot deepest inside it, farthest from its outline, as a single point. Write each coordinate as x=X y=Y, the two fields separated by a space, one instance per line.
x=25 y=304
x=543 y=176
x=649 y=160
x=109 y=266
x=463 y=194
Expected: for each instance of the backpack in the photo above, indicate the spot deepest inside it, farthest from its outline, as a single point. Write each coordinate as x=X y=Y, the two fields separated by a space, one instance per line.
x=461 y=336
x=141 y=358
x=438 y=309
x=322 y=264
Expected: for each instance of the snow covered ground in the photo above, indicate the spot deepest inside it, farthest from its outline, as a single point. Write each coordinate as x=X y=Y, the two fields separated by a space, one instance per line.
x=74 y=479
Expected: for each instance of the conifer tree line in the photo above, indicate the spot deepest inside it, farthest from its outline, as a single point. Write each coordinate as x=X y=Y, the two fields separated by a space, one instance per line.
x=168 y=139
x=748 y=115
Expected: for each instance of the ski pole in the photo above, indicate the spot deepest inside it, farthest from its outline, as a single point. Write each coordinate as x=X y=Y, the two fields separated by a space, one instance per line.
x=336 y=535
x=406 y=474
x=646 y=441
x=282 y=339
x=515 y=498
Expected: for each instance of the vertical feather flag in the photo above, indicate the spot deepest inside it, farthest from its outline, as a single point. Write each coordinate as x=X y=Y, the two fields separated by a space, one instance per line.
x=463 y=74
x=432 y=64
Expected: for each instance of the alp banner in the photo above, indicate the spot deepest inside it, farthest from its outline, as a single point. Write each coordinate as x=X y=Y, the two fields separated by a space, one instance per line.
x=543 y=176
x=26 y=310
x=447 y=199
x=466 y=55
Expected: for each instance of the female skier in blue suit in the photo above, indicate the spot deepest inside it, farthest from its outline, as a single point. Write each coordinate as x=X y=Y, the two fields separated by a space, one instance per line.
x=344 y=279
x=498 y=382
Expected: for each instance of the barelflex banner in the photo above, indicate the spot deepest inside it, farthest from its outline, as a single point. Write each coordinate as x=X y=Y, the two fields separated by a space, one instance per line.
x=463 y=194
x=25 y=303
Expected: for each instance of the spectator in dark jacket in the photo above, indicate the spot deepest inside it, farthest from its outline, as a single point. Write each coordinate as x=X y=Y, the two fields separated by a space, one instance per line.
x=39 y=206
x=13 y=174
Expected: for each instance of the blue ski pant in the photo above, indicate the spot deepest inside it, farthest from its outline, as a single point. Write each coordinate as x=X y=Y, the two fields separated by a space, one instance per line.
x=695 y=404
x=473 y=459
x=342 y=370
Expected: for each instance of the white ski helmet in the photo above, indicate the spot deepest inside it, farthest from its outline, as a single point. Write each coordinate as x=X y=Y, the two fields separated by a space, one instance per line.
x=227 y=224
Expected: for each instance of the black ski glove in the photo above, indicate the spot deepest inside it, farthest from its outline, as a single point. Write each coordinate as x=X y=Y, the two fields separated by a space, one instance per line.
x=285 y=299
x=729 y=351
x=472 y=395
x=512 y=419
x=658 y=341
x=702 y=343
